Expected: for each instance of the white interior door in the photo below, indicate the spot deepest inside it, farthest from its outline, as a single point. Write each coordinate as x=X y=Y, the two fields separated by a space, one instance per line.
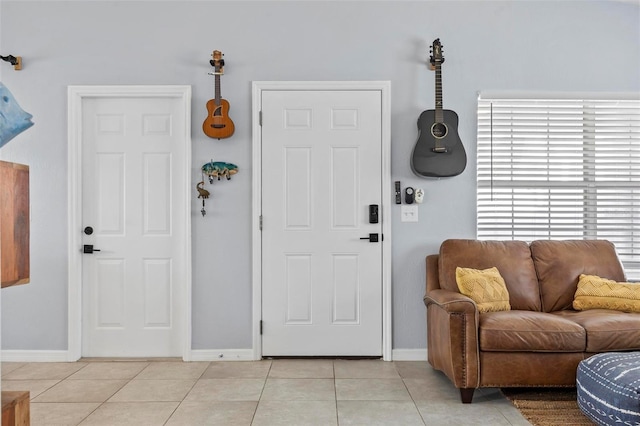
x=321 y=169
x=133 y=188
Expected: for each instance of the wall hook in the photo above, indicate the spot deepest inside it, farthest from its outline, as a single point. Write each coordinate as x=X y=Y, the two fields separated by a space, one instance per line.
x=218 y=169
x=16 y=61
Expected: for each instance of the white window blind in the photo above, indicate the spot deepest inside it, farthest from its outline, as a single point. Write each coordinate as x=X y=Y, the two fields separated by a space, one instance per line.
x=560 y=169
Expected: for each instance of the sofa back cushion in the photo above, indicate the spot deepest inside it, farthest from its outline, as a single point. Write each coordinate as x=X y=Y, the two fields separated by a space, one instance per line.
x=512 y=258
x=560 y=263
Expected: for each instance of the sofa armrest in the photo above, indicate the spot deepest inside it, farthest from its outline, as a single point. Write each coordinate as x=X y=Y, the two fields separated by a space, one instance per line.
x=452 y=337
x=433 y=272
x=451 y=302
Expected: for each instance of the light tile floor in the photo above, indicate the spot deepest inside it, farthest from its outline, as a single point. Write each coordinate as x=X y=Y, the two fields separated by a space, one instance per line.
x=260 y=393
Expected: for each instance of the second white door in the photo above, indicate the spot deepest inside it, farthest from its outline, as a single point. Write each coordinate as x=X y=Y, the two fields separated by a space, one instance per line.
x=321 y=171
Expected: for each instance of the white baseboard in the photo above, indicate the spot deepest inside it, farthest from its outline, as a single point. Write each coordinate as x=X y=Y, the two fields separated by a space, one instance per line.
x=195 y=355
x=222 y=355
x=62 y=356
x=409 y=354
x=34 y=356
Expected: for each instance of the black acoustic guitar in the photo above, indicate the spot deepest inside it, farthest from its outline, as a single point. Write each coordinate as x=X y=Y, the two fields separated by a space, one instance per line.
x=438 y=151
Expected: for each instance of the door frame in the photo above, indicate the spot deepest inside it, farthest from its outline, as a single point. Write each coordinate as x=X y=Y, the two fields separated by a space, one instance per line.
x=75 y=97
x=258 y=87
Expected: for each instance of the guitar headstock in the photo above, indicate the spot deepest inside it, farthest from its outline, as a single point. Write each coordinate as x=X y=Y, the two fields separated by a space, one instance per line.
x=217 y=61
x=436 y=53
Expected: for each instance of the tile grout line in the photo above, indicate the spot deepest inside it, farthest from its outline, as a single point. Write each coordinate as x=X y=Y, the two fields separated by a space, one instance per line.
x=255 y=411
x=335 y=393
x=185 y=395
x=411 y=396
x=99 y=405
x=67 y=378
x=107 y=399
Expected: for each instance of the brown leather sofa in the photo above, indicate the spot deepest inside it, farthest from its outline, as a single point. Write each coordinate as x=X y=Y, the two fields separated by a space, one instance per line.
x=541 y=340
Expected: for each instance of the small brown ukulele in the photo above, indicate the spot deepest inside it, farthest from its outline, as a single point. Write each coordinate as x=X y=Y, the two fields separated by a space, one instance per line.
x=218 y=124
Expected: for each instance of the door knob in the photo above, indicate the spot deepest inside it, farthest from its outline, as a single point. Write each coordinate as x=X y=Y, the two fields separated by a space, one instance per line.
x=88 y=248
x=373 y=238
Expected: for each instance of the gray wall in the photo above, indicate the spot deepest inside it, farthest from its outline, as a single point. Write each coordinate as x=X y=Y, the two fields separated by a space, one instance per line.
x=497 y=45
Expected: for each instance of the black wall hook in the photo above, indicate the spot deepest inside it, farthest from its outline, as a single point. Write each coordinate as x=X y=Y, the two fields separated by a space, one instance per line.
x=16 y=61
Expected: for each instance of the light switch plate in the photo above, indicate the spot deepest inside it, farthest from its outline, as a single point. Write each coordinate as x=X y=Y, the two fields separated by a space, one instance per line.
x=409 y=213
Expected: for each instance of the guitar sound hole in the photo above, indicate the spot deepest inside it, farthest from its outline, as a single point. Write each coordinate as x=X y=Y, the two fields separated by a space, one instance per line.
x=439 y=130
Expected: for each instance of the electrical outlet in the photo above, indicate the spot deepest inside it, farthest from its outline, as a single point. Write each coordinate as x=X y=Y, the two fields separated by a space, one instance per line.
x=409 y=213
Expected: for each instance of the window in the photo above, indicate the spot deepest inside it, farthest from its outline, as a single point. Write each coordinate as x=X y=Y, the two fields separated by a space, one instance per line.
x=560 y=169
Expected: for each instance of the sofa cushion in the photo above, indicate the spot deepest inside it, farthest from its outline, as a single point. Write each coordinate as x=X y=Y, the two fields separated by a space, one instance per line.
x=529 y=331
x=512 y=258
x=607 y=330
x=560 y=263
x=485 y=287
x=599 y=293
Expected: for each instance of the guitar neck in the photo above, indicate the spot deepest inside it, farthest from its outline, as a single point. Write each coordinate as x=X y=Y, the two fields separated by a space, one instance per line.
x=439 y=114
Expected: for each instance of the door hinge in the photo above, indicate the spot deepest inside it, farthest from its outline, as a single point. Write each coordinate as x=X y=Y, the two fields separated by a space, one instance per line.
x=261 y=222
x=261 y=327
x=260 y=118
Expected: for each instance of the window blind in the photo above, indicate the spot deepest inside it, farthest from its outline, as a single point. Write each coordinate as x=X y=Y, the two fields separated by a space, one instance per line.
x=560 y=169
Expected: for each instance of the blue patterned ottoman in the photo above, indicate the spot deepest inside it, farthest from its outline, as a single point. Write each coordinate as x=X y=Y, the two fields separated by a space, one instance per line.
x=608 y=387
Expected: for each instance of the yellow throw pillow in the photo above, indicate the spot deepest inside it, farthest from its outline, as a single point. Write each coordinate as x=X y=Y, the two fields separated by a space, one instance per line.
x=600 y=293
x=486 y=287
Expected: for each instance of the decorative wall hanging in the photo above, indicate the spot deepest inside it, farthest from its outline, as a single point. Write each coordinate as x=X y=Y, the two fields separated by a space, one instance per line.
x=218 y=169
x=218 y=124
x=213 y=170
x=204 y=194
x=13 y=119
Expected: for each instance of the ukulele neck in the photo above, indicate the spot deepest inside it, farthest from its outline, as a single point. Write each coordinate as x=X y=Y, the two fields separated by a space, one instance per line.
x=217 y=88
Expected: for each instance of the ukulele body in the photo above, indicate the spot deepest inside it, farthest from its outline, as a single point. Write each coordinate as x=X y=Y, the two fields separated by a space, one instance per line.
x=218 y=124
x=442 y=156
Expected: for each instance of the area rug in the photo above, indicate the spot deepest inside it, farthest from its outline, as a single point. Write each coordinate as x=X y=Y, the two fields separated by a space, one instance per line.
x=548 y=406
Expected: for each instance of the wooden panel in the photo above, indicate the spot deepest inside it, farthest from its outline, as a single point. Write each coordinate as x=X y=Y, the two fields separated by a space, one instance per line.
x=15 y=408
x=14 y=224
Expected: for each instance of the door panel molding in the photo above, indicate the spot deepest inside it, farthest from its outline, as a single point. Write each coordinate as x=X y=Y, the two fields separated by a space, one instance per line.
x=258 y=87
x=75 y=97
